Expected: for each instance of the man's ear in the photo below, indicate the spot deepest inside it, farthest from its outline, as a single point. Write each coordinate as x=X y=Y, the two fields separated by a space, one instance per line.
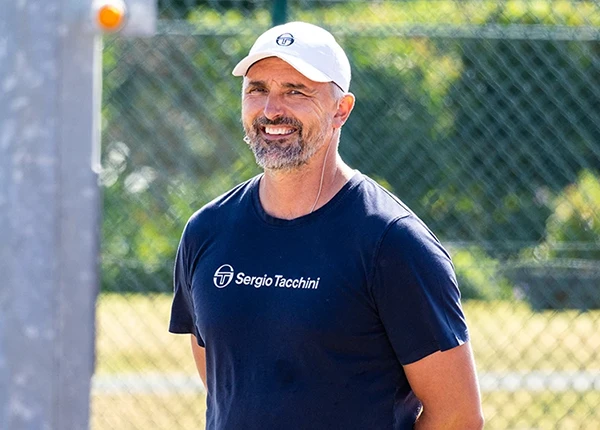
x=345 y=106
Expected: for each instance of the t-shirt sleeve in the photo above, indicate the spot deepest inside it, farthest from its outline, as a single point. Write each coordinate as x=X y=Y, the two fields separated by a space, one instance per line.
x=182 y=309
x=416 y=292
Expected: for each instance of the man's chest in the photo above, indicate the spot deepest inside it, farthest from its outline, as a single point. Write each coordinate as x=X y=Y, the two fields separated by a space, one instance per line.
x=298 y=286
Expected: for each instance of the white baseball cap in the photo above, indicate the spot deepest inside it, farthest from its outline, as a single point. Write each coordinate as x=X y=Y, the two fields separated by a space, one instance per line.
x=310 y=49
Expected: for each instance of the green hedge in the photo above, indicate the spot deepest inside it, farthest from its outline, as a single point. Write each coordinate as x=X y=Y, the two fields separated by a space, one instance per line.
x=432 y=122
x=563 y=271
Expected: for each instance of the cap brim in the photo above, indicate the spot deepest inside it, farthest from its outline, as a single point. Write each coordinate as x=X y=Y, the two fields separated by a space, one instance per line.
x=300 y=65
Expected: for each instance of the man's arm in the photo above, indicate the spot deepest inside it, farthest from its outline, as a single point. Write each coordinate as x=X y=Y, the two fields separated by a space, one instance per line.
x=200 y=359
x=446 y=384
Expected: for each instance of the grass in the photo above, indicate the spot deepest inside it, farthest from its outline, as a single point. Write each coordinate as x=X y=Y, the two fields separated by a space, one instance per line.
x=524 y=410
x=148 y=412
x=508 y=336
x=503 y=411
x=132 y=337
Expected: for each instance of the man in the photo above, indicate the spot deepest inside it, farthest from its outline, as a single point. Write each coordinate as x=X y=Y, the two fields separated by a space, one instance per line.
x=316 y=299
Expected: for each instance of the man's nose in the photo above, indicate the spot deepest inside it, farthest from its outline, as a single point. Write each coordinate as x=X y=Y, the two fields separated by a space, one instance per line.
x=274 y=106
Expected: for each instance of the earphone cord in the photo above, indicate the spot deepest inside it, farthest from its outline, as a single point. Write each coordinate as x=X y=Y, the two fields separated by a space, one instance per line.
x=322 y=176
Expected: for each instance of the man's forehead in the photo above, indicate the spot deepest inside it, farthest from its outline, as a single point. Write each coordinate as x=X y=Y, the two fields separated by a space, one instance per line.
x=284 y=84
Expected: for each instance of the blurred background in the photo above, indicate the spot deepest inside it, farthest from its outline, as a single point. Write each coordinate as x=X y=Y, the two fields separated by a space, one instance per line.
x=482 y=116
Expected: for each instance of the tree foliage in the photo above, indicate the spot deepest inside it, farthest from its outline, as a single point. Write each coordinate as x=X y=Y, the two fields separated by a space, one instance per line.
x=475 y=134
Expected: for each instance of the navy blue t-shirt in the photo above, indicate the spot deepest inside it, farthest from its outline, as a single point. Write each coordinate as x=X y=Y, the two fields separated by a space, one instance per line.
x=307 y=322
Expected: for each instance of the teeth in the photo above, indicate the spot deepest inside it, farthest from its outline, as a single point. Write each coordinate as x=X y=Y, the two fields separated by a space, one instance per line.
x=278 y=130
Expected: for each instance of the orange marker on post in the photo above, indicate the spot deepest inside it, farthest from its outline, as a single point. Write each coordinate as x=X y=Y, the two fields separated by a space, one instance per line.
x=109 y=15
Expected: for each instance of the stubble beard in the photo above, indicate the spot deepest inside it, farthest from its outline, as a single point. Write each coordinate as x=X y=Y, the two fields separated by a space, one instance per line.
x=282 y=154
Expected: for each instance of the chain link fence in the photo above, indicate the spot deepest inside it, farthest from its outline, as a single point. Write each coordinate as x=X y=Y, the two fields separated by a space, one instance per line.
x=483 y=116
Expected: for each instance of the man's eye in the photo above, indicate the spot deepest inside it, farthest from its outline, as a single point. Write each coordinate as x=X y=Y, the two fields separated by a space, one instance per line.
x=256 y=90
x=296 y=93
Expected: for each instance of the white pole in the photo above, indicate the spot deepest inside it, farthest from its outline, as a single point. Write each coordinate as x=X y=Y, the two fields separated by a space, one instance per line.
x=49 y=213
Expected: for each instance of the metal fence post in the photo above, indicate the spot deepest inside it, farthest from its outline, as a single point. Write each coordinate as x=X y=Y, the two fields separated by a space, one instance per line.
x=279 y=12
x=49 y=210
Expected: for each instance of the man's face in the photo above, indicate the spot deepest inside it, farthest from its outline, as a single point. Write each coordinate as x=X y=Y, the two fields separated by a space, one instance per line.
x=287 y=117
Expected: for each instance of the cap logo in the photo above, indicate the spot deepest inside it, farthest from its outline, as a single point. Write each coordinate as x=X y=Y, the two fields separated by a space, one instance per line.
x=286 y=39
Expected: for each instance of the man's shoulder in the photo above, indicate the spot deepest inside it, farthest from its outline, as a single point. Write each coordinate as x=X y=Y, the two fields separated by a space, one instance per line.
x=392 y=220
x=225 y=205
x=379 y=202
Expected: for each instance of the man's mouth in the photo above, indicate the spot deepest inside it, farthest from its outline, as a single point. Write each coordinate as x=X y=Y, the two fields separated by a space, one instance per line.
x=277 y=131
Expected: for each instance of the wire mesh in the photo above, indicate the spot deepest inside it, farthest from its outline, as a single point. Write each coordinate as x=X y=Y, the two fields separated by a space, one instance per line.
x=484 y=117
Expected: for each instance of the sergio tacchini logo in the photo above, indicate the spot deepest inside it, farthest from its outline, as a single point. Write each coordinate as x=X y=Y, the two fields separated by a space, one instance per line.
x=223 y=276
x=286 y=39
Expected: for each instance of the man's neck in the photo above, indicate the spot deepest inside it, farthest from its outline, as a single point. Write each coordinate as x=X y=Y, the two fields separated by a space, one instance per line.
x=293 y=193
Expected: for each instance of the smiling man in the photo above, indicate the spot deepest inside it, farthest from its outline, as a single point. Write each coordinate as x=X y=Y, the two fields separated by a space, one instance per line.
x=314 y=298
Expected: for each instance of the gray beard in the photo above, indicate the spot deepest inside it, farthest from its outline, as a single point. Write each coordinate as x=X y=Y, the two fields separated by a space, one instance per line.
x=279 y=154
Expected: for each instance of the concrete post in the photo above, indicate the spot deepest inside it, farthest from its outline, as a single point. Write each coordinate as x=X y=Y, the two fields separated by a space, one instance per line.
x=49 y=213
